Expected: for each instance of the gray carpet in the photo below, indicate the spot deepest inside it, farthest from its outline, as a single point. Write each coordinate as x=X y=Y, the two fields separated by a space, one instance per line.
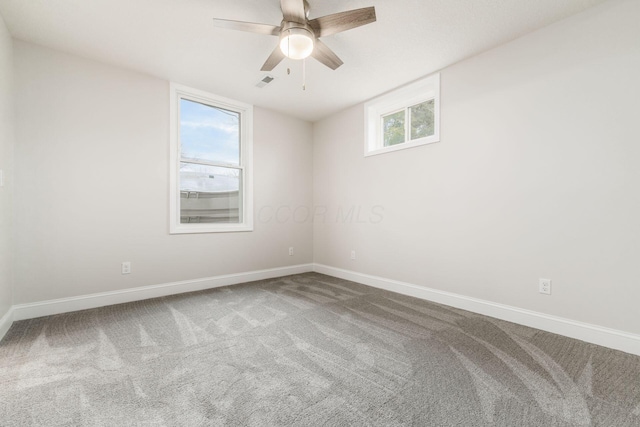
x=305 y=350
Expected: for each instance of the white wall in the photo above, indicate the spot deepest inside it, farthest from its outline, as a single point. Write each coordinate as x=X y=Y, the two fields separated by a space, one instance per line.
x=92 y=184
x=6 y=165
x=536 y=175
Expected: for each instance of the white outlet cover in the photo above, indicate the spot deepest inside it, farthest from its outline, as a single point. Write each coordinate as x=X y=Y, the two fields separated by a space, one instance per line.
x=544 y=286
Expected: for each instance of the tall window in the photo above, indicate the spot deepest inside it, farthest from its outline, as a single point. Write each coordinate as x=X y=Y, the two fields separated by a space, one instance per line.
x=404 y=118
x=211 y=176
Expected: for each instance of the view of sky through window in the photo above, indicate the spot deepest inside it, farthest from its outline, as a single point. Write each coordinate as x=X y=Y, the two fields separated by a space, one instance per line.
x=209 y=133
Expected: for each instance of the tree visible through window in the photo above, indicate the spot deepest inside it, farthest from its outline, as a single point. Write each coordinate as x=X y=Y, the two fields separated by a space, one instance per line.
x=422 y=120
x=404 y=118
x=419 y=116
x=393 y=127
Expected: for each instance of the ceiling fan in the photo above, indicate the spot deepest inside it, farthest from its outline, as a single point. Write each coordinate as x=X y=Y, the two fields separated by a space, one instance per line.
x=299 y=36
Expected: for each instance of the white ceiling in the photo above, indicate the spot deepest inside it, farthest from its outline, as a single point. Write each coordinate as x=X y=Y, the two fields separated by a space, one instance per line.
x=175 y=40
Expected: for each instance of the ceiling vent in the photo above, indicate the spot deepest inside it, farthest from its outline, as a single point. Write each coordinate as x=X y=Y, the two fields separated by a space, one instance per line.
x=265 y=81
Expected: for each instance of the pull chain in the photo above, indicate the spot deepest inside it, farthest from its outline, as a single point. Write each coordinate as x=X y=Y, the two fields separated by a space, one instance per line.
x=304 y=74
x=288 y=50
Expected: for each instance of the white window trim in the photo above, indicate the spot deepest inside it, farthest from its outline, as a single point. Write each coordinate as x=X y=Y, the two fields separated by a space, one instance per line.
x=176 y=92
x=394 y=101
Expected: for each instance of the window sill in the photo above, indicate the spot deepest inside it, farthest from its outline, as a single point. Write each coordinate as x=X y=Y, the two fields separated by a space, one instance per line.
x=403 y=146
x=196 y=229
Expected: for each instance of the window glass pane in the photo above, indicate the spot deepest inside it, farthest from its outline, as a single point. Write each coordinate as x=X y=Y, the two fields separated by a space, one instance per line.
x=209 y=133
x=422 y=120
x=210 y=194
x=393 y=128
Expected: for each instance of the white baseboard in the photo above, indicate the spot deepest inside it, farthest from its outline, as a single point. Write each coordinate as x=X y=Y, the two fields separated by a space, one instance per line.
x=65 y=305
x=594 y=334
x=606 y=337
x=5 y=322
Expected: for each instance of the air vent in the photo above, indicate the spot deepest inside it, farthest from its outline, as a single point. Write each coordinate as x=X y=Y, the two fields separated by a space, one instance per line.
x=265 y=81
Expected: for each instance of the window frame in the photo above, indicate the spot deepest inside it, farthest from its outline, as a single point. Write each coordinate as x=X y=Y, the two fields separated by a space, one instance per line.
x=397 y=100
x=176 y=93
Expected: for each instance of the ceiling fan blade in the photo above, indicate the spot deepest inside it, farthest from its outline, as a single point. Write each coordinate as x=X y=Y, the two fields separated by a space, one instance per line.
x=294 y=10
x=338 y=22
x=322 y=53
x=273 y=59
x=247 y=26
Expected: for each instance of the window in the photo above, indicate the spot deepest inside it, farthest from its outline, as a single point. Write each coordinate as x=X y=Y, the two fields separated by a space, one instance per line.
x=404 y=118
x=210 y=163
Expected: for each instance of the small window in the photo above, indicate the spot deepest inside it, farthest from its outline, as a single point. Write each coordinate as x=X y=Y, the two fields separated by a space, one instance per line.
x=404 y=118
x=211 y=146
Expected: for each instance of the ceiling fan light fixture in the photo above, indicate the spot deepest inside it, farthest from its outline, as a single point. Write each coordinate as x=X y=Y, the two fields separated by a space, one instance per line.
x=296 y=43
x=300 y=36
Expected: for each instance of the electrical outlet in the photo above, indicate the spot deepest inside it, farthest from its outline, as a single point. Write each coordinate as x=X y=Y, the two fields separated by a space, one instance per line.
x=291 y=251
x=353 y=254
x=545 y=286
x=126 y=267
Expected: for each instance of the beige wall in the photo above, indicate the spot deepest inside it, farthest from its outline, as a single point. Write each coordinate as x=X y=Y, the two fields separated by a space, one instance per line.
x=6 y=165
x=536 y=175
x=92 y=175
